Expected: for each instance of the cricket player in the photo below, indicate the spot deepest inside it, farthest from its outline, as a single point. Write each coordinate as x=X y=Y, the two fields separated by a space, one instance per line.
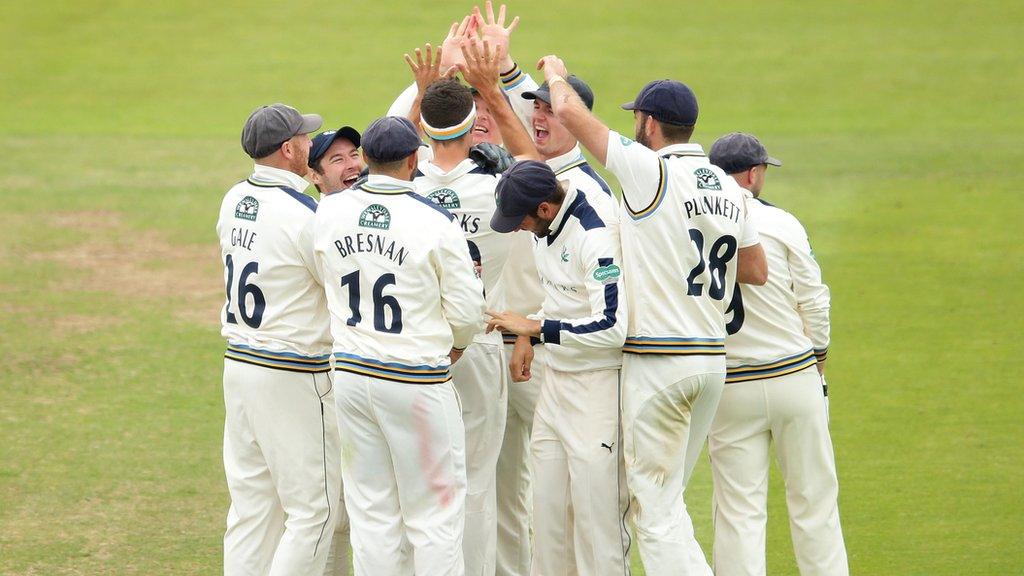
x=281 y=445
x=685 y=239
x=334 y=160
x=405 y=302
x=774 y=392
x=518 y=288
x=466 y=188
x=579 y=494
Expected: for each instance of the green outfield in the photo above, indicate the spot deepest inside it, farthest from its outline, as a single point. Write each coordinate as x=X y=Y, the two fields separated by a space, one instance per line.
x=119 y=126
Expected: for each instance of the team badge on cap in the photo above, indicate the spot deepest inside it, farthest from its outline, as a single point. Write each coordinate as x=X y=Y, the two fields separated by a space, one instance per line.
x=707 y=180
x=247 y=209
x=375 y=216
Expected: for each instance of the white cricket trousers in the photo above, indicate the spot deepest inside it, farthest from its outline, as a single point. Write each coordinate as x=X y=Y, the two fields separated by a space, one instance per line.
x=789 y=410
x=404 y=467
x=481 y=379
x=282 y=462
x=665 y=422
x=515 y=505
x=580 y=496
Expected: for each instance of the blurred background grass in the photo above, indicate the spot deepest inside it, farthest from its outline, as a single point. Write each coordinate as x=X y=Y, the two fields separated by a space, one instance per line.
x=899 y=125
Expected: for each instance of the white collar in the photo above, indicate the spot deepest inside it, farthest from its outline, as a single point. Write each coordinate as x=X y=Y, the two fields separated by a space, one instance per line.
x=559 y=163
x=558 y=222
x=688 y=149
x=437 y=173
x=270 y=176
x=387 y=185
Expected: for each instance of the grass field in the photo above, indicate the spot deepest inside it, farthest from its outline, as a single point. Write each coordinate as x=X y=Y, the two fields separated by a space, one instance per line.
x=119 y=127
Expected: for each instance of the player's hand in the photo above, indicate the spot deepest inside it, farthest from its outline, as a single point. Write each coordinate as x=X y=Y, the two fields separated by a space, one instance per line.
x=426 y=67
x=493 y=30
x=454 y=354
x=522 y=359
x=458 y=32
x=552 y=66
x=482 y=66
x=821 y=368
x=512 y=322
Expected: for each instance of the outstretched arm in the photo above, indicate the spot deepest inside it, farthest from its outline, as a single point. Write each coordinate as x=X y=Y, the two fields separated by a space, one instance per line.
x=426 y=71
x=481 y=70
x=572 y=112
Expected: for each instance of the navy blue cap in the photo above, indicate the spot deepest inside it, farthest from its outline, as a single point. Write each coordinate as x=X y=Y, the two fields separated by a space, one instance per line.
x=667 y=101
x=520 y=190
x=737 y=152
x=323 y=141
x=543 y=93
x=390 y=139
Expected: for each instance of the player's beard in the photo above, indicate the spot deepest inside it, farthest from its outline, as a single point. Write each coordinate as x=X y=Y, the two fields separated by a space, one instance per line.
x=641 y=136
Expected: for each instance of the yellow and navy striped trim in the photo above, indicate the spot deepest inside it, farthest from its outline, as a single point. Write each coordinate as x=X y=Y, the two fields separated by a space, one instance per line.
x=678 y=346
x=391 y=370
x=787 y=365
x=821 y=354
x=574 y=164
x=385 y=188
x=512 y=78
x=278 y=360
x=658 y=197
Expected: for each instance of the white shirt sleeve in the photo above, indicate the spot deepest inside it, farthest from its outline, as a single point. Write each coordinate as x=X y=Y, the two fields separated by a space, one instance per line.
x=515 y=83
x=605 y=327
x=462 y=292
x=812 y=295
x=403 y=104
x=641 y=173
x=748 y=224
x=304 y=245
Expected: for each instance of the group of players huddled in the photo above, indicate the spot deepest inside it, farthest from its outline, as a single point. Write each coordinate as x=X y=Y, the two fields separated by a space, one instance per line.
x=472 y=358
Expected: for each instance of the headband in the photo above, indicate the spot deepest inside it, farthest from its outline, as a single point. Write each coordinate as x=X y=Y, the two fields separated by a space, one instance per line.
x=451 y=132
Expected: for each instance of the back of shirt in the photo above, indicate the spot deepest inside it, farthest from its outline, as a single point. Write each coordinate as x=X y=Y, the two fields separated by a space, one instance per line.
x=783 y=326
x=683 y=224
x=401 y=288
x=467 y=191
x=275 y=309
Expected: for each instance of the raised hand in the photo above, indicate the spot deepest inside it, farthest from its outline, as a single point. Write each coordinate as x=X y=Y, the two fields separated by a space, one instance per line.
x=481 y=67
x=427 y=67
x=458 y=32
x=494 y=31
x=552 y=66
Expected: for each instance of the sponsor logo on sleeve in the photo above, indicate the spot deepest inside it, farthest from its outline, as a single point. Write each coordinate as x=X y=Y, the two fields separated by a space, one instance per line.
x=607 y=274
x=375 y=216
x=625 y=141
x=247 y=209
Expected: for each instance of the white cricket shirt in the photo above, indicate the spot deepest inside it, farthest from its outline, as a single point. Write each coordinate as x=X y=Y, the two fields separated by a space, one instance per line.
x=467 y=191
x=276 y=312
x=783 y=325
x=683 y=223
x=401 y=288
x=584 y=310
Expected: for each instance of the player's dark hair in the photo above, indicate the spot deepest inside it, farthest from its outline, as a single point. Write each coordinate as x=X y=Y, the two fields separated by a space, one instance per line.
x=446 y=103
x=557 y=197
x=384 y=167
x=674 y=133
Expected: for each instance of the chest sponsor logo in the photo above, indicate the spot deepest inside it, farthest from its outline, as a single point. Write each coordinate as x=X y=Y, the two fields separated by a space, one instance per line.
x=706 y=179
x=446 y=198
x=565 y=254
x=607 y=274
x=247 y=209
x=375 y=216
